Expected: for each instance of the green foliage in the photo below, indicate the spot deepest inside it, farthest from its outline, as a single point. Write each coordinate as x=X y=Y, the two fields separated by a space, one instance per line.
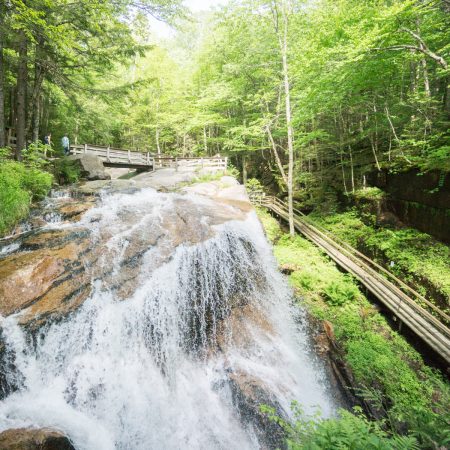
x=66 y=171
x=347 y=431
x=371 y=193
x=340 y=292
x=253 y=185
x=233 y=172
x=19 y=186
x=14 y=200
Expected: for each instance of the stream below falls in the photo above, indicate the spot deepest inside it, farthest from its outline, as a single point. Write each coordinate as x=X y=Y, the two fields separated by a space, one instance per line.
x=187 y=329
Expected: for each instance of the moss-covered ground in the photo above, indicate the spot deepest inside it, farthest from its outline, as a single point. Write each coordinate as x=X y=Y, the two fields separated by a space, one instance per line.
x=387 y=369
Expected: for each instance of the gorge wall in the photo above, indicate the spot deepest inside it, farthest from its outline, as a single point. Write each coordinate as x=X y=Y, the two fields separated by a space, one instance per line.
x=420 y=200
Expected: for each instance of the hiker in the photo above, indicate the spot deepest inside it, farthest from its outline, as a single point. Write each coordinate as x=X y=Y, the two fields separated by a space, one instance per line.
x=48 y=142
x=66 y=144
x=48 y=139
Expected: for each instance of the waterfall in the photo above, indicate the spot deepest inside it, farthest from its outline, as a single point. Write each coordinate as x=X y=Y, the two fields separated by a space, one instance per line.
x=180 y=322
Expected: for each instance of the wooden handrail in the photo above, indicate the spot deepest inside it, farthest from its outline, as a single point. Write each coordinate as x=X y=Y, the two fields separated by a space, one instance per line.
x=349 y=248
x=354 y=254
x=129 y=158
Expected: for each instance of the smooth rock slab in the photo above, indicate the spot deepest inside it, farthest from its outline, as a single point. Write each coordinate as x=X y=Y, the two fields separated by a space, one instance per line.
x=34 y=439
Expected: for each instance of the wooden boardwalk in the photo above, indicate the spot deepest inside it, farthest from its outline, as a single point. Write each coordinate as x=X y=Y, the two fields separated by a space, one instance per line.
x=114 y=157
x=427 y=321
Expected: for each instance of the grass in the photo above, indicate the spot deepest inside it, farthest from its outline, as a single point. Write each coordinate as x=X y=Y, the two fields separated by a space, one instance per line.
x=389 y=371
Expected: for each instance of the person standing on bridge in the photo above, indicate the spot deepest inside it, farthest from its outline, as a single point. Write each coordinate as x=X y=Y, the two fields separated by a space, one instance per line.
x=66 y=144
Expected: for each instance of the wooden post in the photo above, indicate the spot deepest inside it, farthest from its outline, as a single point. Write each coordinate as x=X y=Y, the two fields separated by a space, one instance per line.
x=107 y=154
x=201 y=160
x=176 y=164
x=226 y=163
x=85 y=148
x=129 y=155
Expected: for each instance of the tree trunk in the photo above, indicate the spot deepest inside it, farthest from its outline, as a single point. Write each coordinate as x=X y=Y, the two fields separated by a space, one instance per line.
x=21 y=104
x=244 y=170
x=205 y=141
x=36 y=119
x=426 y=80
x=352 y=171
x=158 y=147
x=290 y=131
x=2 y=84
x=33 y=108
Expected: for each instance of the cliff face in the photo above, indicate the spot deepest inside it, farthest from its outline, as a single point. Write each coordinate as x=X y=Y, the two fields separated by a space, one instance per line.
x=418 y=200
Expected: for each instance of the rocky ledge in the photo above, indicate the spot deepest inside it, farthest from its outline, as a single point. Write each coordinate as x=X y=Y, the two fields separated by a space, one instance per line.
x=33 y=439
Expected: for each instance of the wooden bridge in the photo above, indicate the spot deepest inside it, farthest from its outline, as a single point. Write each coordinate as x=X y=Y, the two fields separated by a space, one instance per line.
x=145 y=161
x=427 y=321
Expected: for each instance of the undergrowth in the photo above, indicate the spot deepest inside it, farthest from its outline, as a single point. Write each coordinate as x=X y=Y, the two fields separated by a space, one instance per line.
x=389 y=372
x=21 y=183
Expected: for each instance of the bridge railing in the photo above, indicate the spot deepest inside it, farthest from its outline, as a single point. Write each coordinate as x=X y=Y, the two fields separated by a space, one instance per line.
x=114 y=155
x=119 y=156
x=215 y=162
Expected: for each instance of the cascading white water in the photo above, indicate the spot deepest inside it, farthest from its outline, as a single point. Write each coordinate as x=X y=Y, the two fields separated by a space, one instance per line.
x=150 y=369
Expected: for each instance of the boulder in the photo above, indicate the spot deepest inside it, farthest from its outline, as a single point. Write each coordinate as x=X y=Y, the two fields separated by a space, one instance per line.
x=34 y=439
x=91 y=167
x=47 y=276
x=249 y=395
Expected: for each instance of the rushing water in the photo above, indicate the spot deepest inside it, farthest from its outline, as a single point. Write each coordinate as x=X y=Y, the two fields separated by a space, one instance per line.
x=151 y=369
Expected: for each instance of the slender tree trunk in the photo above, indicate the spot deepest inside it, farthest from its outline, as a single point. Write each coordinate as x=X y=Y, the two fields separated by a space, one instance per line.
x=343 y=173
x=277 y=156
x=2 y=83
x=36 y=119
x=205 y=141
x=445 y=83
x=244 y=170
x=426 y=80
x=21 y=105
x=158 y=147
x=33 y=108
x=352 y=172
x=290 y=131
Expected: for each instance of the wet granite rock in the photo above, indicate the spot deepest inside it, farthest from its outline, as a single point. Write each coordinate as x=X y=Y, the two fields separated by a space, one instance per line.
x=48 y=276
x=91 y=167
x=34 y=439
x=249 y=393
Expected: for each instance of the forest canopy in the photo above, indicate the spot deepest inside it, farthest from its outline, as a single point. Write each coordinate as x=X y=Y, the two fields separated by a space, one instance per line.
x=307 y=90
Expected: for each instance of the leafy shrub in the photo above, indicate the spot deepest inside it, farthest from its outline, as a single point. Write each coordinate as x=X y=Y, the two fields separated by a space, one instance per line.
x=66 y=171
x=338 y=292
x=232 y=171
x=14 y=201
x=253 y=185
x=34 y=155
x=20 y=184
x=347 y=431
